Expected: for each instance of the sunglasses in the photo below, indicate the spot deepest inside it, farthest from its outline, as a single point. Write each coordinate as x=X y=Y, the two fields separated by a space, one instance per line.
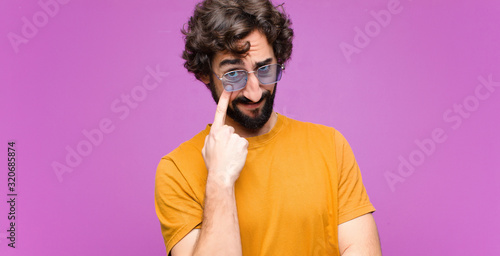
x=237 y=79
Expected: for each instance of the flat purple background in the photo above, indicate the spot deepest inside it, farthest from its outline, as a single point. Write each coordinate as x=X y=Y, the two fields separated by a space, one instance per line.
x=394 y=90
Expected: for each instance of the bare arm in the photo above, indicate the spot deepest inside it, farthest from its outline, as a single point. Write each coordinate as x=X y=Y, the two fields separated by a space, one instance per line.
x=224 y=154
x=359 y=237
x=220 y=234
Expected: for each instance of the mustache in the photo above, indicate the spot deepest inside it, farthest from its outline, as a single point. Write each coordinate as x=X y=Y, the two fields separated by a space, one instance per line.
x=245 y=100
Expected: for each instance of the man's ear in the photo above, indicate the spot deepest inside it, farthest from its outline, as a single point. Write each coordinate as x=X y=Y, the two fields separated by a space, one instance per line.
x=205 y=79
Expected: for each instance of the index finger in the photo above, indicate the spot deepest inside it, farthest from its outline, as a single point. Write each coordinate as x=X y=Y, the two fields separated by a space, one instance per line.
x=220 y=113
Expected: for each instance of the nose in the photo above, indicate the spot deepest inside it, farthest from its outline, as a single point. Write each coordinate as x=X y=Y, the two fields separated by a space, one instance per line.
x=252 y=90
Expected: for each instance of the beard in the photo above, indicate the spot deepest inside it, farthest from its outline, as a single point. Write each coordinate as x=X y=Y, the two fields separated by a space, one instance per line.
x=251 y=123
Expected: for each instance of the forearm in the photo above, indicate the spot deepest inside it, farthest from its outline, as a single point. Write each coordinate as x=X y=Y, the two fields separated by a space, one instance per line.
x=220 y=232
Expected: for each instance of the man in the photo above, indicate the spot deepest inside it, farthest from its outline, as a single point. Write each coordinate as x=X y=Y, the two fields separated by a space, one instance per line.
x=256 y=182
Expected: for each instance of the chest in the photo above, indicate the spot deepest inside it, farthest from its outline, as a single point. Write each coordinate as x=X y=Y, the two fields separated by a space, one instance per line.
x=287 y=190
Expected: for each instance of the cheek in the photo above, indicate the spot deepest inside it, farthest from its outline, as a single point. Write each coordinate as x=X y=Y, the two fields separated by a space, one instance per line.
x=269 y=88
x=217 y=89
x=234 y=95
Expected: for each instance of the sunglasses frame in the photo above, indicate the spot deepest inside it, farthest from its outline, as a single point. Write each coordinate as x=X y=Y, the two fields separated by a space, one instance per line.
x=249 y=72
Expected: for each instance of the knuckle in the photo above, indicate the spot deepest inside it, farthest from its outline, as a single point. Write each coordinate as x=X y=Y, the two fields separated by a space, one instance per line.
x=235 y=137
x=229 y=130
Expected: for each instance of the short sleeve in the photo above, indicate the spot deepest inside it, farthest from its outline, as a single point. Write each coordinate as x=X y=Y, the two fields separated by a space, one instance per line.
x=176 y=205
x=352 y=196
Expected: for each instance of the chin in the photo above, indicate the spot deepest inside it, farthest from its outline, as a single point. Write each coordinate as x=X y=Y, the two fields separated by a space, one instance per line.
x=253 y=122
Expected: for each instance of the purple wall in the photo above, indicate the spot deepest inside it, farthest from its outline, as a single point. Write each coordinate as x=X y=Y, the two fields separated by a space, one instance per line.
x=413 y=85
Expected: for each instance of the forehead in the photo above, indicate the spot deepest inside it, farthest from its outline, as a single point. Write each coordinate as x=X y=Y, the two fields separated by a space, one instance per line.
x=259 y=51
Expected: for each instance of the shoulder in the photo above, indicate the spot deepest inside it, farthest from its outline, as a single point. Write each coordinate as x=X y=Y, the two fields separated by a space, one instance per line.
x=318 y=135
x=188 y=148
x=312 y=129
x=186 y=157
x=183 y=170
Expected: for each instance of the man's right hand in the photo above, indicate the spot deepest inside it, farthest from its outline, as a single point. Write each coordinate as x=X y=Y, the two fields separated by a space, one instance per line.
x=224 y=152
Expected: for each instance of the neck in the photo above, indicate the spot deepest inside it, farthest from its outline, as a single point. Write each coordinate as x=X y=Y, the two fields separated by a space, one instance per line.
x=246 y=133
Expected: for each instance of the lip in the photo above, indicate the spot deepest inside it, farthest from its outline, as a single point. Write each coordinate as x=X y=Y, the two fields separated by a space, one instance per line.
x=251 y=106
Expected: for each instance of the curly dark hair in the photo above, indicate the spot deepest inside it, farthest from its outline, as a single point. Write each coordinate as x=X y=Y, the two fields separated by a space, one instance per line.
x=218 y=25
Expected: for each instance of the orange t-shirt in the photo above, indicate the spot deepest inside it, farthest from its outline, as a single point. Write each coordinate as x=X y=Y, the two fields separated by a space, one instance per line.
x=299 y=182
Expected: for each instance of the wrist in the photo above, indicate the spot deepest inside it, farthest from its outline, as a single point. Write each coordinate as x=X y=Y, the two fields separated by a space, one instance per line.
x=220 y=181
